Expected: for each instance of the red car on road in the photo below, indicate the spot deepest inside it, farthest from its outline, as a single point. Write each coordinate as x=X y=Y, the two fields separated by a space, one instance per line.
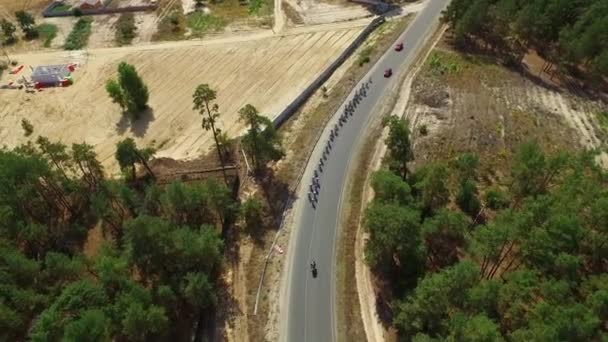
x=388 y=72
x=399 y=47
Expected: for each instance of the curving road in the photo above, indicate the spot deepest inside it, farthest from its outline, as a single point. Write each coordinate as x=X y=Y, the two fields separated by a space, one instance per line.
x=309 y=302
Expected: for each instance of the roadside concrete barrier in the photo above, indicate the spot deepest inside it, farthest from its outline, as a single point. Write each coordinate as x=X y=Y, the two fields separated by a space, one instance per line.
x=293 y=107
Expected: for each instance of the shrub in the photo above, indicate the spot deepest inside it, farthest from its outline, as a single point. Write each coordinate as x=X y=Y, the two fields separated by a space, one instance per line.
x=79 y=36
x=125 y=29
x=496 y=198
x=364 y=55
x=424 y=130
x=27 y=126
x=199 y=22
x=47 y=32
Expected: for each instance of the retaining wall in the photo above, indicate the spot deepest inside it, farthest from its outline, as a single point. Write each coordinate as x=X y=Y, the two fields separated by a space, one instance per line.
x=293 y=107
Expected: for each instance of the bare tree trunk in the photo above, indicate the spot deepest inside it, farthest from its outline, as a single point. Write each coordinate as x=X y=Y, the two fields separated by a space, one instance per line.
x=217 y=144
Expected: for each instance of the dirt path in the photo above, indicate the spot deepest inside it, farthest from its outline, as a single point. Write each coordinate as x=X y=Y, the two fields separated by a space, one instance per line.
x=279 y=16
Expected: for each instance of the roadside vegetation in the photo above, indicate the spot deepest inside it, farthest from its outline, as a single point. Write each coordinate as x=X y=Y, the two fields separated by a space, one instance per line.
x=125 y=29
x=364 y=55
x=522 y=261
x=79 y=36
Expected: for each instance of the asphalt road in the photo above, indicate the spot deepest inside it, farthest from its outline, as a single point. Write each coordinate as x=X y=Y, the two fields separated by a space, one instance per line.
x=310 y=301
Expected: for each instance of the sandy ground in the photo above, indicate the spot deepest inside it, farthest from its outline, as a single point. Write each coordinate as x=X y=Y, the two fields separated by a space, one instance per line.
x=103 y=32
x=267 y=73
x=8 y=7
x=317 y=12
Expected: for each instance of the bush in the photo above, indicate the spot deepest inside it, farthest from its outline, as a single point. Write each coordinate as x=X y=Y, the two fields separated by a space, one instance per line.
x=125 y=29
x=79 y=36
x=496 y=199
x=200 y=22
x=172 y=26
x=27 y=126
x=364 y=55
x=424 y=130
x=47 y=32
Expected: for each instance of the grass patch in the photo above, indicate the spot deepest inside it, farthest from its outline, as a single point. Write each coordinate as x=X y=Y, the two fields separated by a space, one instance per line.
x=441 y=63
x=173 y=25
x=200 y=23
x=61 y=8
x=364 y=55
x=79 y=36
x=47 y=33
x=125 y=29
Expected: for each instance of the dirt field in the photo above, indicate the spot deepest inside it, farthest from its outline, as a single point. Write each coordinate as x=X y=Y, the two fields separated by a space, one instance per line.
x=469 y=103
x=9 y=7
x=267 y=73
x=311 y=12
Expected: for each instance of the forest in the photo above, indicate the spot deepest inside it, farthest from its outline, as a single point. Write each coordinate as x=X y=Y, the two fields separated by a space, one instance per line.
x=153 y=277
x=523 y=259
x=156 y=273
x=568 y=33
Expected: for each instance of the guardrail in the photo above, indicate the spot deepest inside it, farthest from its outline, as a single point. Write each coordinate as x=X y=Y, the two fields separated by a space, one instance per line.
x=49 y=13
x=293 y=107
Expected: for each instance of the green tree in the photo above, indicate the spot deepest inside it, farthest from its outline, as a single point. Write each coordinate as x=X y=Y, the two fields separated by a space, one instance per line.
x=390 y=188
x=466 y=198
x=395 y=241
x=115 y=92
x=399 y=145
x=478 y=328
x=430 y=183
x=27 y=23
x=129 y=91
x=262 y=141
x=443 y=234
x=127 y=155
x=202 y=98
x=427 y=309
x=8 y=31
x=251 y=212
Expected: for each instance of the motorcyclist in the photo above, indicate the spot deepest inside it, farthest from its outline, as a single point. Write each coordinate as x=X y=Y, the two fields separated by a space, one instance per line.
x=313 y=269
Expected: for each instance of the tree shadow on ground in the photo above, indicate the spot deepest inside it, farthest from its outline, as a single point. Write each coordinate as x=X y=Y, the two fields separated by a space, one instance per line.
x=138 y=126
x=212 y=322
x=572 y=80
x=277 y=194
x=384 y=311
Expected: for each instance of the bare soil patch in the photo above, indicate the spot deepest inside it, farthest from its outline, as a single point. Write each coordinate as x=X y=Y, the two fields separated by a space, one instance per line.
x=471 y=103
x=311 y=12
x=267 y=73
